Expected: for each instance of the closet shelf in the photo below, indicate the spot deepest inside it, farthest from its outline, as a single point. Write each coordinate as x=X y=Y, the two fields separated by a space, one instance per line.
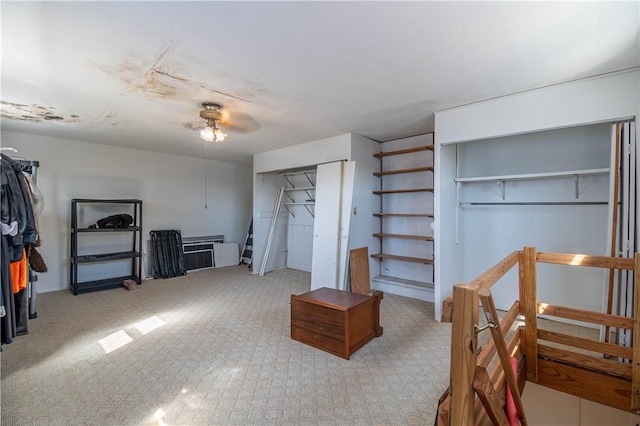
x=397 y=191
x=308 y=188
x=106 y=256
x=399 y=171
x=384 y=256
x=299 y=204
x=532 y=176
x=404 y=214
x=86 y=286
x=404 y=151
x=405 y=236
x=299 y=173
x=129 y=229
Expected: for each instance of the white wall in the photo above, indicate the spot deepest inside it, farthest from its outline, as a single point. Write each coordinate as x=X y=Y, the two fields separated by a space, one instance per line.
x=588 y=101
x=365 y=202
x=303 y=155
x=601 y=99
x=171 y=188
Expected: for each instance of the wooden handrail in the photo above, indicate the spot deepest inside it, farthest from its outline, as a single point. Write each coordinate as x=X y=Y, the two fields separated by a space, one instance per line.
x=497 y=271
x=487 y=279
x=585 y=260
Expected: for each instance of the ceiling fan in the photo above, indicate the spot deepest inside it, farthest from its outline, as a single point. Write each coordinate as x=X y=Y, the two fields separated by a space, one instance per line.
x=213 y=113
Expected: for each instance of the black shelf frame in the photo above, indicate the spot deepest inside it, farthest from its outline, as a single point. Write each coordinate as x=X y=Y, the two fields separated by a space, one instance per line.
x=104 y=257
x=87 y=286
x=135 y=255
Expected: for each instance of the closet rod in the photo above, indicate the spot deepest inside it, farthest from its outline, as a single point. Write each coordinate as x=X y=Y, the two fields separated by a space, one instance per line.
x=541 y=203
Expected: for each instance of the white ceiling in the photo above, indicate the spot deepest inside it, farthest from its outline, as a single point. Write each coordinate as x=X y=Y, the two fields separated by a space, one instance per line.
x=135 y=73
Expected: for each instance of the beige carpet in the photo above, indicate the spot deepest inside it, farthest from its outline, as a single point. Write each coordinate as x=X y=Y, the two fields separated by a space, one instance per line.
x=214 y=348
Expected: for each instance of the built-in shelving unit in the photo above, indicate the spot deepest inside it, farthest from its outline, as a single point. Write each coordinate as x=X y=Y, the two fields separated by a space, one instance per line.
x=131 y=206
x=402 y=177
x=404 y=151
x=401 y=171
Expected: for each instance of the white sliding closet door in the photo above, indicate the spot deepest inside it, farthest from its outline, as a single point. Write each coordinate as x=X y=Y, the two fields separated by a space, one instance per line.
x=333 y=205
x=627 y=228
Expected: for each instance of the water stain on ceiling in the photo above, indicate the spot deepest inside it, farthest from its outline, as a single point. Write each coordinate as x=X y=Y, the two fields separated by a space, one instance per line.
x=160 y=78
x=33 y=112
x=164 y=77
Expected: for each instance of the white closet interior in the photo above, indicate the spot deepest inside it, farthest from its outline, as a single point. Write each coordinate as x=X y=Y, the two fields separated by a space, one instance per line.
x=546 y=189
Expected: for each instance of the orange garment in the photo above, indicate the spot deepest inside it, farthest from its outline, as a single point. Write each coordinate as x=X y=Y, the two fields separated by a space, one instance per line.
x=19 y=273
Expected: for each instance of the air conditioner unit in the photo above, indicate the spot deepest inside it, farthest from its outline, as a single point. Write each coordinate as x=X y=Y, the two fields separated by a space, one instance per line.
x=198 y=251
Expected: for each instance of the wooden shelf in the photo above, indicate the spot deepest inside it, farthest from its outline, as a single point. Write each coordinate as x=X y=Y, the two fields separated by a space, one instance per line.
x=398 y=191
x=405 y=236
x=384 y=256
x=404 y=214
x=399 y=171
x=532 y=176
x=404 y=151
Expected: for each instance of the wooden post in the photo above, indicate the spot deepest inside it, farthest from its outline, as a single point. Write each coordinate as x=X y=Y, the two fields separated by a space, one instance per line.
x=521 y=280
x=530 y=313
x=635 y=369
x=490 y=312
x=463 y=354
x=377 y=328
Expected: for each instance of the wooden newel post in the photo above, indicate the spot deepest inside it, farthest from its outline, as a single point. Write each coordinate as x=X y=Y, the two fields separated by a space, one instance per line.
x=463 y=354
x=530 y=301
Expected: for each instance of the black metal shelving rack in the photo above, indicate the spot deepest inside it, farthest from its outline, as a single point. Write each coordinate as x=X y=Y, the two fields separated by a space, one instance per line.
x=135 y=254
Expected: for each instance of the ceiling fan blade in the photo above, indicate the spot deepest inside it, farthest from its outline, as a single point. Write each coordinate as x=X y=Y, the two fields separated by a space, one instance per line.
x=239 y=122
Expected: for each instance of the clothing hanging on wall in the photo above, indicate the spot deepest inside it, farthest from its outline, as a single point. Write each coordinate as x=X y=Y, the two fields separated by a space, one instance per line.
x=19 y=234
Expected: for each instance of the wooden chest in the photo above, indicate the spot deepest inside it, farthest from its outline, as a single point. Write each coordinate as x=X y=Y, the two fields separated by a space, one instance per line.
x=338 y=322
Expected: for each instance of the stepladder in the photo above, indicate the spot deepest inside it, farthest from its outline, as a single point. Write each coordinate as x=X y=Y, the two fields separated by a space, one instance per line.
x=247 y=251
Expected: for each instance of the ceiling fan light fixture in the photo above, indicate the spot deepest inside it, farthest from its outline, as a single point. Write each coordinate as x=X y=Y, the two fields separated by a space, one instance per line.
x=219 y=135
x=207 y=134
x=212 y=133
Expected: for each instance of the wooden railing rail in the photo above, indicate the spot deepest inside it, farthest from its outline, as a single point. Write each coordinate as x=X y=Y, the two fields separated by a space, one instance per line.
x=601 y=365
x=585 y=260
x=592 y=317
x=487 y=279
x=586 y=344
